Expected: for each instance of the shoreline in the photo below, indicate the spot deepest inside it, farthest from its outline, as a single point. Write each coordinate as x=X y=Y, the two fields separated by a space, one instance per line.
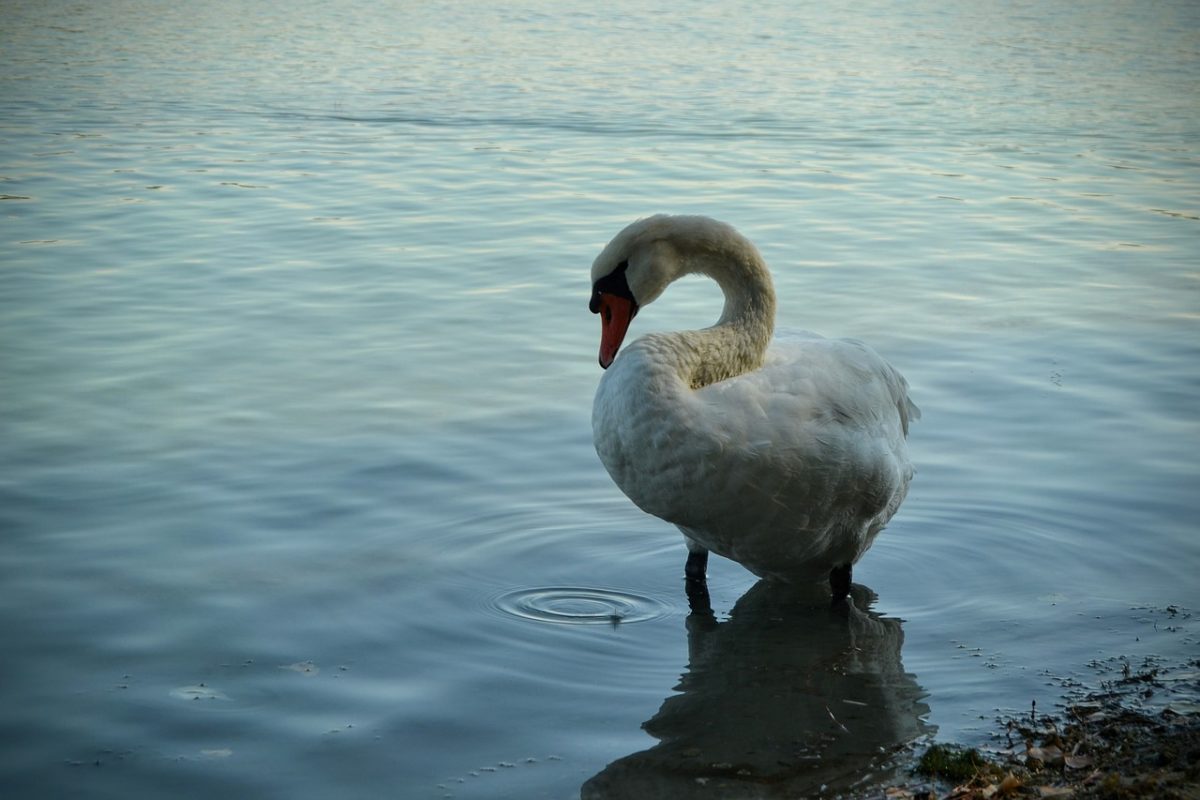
x=1134 y=733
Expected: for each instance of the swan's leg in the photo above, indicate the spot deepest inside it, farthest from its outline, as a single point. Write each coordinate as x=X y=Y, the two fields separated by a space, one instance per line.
x=697 y=595
x=839 y=581
x=695 y=573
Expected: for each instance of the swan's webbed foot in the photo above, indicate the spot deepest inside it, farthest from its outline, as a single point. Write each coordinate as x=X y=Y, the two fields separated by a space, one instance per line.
x=839 y=582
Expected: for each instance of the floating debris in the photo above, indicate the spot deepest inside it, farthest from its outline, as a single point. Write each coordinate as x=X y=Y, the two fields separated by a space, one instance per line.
x=198 y=692
x=306 y=668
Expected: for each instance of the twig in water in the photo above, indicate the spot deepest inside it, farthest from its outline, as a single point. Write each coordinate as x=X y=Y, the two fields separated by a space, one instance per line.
x=835 y=720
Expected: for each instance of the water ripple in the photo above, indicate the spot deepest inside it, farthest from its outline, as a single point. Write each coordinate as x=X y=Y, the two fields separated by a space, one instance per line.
x=579 y=605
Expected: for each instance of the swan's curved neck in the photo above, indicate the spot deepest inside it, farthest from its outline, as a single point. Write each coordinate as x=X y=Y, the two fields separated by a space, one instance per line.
x=738 y=342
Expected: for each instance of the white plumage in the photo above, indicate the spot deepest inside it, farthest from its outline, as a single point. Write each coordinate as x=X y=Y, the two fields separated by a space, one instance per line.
x=786 y=455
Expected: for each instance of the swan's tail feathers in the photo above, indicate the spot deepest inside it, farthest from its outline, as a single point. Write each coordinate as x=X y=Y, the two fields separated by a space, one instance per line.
x=909 y=413
x=907 y=408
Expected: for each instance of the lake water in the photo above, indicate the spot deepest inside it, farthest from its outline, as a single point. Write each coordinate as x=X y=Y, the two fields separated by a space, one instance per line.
x=297 y=488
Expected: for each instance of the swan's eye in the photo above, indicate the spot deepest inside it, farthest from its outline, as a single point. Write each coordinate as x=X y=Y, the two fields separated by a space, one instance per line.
x=614 y=283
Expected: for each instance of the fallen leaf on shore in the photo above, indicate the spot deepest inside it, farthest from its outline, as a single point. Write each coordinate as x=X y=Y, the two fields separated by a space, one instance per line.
x=1004 y=788
x=900 y=793
x=1077 y=761
x=1049 y=755
x=1055 y=791
x=1010 y=784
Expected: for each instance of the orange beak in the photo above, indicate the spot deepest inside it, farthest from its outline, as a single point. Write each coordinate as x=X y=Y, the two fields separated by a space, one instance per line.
x=615 y=315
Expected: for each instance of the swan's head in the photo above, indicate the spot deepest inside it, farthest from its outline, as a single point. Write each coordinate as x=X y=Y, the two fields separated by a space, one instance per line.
x=613 y=300
x=637 y=265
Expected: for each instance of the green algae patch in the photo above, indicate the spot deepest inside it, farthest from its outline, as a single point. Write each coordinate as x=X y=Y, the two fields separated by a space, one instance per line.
x=952 y=763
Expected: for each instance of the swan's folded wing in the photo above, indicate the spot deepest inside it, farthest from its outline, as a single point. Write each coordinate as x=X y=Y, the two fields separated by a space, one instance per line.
x=819 y=429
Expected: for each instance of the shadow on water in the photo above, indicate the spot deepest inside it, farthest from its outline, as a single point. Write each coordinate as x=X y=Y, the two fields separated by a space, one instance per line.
x=785 y=697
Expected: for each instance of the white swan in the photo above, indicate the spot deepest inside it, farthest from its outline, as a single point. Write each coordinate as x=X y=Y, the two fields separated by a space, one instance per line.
x=787 y=456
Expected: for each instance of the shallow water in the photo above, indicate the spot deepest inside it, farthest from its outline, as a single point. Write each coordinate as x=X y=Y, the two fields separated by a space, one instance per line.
x=298 y=493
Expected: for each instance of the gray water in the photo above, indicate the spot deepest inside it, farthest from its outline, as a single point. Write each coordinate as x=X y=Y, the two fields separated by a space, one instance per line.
x=297 y=491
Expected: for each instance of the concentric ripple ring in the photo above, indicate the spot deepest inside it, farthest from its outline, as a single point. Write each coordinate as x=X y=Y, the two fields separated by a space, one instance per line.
x=579 y=606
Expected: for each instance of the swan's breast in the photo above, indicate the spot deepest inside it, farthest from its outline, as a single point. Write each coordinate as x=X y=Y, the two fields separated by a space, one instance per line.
x=644 y=424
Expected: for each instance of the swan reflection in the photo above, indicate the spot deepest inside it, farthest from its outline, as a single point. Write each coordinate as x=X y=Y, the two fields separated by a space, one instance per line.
x=786 y=696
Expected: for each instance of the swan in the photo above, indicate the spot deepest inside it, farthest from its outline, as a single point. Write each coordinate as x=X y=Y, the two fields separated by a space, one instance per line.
x=786 y=456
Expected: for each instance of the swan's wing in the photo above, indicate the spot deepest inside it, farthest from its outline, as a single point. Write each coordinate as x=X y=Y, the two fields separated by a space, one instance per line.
x=819 y=430
x=809 y=380
x=798 y=463
x=869 y=363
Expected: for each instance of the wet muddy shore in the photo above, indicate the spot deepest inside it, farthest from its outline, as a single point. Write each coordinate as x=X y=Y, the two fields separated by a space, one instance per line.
x=1131 y=732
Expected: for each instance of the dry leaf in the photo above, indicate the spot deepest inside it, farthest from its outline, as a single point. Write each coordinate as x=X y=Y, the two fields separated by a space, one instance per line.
x=1047 y=755
x=1077 y=762
x=1055 y=791
x=1010 y=784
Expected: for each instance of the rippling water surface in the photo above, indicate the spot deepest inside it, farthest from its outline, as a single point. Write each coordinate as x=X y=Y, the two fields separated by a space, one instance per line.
x=297 y=490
